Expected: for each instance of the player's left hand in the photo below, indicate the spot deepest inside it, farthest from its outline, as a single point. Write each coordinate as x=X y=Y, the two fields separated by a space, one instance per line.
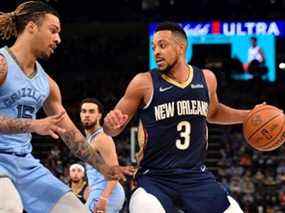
x=101 y=205
x=115 y=119
x=117 y=172
x=259 y=105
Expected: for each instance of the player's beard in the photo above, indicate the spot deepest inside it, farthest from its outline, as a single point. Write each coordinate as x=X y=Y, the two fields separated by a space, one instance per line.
x=167 y=69
x=89 y=126
x=44 y=56
x=76 y=180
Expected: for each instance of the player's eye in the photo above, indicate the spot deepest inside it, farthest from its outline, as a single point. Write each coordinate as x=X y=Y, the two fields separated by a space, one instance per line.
x=53 y=30
x=162 y=45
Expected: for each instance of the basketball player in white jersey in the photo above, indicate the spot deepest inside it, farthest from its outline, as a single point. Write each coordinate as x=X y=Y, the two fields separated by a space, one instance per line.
x=104 y=196
x=255 y=53
x=24 y=89
x=256 y=60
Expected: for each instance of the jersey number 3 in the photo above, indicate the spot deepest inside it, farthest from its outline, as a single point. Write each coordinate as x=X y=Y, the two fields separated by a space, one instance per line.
x=184 y=127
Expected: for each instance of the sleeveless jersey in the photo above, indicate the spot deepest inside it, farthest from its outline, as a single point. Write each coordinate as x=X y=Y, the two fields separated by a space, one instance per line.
x=80 y=195
x=96 y=180
x=175 y=123
x=254 y=54
x=21 y=97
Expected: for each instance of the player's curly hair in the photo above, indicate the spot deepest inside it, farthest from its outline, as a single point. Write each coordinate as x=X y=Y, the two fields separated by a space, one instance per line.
x=13 y=23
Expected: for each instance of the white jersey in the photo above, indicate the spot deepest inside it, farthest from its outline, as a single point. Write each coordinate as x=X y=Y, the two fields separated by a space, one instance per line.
x=254 y=54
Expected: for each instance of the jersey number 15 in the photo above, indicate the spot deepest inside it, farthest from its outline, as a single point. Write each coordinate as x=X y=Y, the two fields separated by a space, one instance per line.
x=25 y=111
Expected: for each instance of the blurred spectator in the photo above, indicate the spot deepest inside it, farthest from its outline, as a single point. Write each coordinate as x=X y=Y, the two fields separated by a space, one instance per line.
x=256 y=60
x=77 y=182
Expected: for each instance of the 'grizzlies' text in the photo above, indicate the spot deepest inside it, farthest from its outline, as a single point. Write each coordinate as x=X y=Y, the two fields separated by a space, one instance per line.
x=24 y=92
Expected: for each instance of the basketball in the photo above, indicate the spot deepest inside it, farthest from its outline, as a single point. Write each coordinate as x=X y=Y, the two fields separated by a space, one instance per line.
x=264 y=128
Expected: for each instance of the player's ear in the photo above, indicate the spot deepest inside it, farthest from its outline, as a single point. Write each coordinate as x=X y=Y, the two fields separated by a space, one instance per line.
x=99 y=116
x=31 y=27
x=182 y=47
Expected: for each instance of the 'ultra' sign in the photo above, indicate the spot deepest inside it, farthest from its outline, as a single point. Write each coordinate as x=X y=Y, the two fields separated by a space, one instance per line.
x=248 y=28
x=276 y=28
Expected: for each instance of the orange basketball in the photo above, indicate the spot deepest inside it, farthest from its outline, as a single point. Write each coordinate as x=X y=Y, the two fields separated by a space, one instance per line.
x=264 y=128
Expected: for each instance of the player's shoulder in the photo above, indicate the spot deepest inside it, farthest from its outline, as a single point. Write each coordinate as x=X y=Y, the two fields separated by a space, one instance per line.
x=210 y=78
x=209 y=75
x=142 y=77
x=2 y=61
x=2 y=58
x=3 y=68
x=102 y=141
x=54 y=91
x=103 y=137
x=52 y=83
x=140 y=81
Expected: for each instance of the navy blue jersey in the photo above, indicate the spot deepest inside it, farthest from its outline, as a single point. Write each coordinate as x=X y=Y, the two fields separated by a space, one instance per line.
x=175 y=122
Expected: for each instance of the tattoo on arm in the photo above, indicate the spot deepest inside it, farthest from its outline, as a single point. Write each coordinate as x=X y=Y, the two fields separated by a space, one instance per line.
x=3 y=66
x=79 y=147
x=14 y=125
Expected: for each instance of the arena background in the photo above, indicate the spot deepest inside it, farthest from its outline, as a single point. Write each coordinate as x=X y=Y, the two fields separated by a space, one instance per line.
x=105 y=43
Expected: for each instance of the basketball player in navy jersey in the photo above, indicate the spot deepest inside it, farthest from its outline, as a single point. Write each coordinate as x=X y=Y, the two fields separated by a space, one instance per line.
x=174 y=102
x=24 y=89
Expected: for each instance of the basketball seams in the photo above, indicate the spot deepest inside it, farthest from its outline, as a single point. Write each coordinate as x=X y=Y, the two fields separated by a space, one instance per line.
x=273 y=117
x=264 y=128
x=252 y=113
x=275 y=146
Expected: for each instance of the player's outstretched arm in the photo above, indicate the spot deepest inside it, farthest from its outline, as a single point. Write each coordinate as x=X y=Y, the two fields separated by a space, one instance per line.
x=117 y=119
x=76 y=142
x=218 y=112
x=46 y=126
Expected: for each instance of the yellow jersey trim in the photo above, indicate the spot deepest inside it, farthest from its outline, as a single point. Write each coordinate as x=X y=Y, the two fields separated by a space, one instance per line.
x=178 y=84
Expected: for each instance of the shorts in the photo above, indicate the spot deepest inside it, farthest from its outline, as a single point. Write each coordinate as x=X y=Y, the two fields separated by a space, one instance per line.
x=115 y=201
x=196 y=191
x=38 y=188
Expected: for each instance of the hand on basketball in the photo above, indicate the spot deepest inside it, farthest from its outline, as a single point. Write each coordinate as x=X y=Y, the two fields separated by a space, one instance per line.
x=264 y=128
x=48 y=125
x=117 y=172
x=115 y=119
x=259 y=105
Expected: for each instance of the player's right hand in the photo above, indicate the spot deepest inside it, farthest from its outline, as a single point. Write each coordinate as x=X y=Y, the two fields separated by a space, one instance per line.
x=117 y=172
x=115 y=119
x=48 y=125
